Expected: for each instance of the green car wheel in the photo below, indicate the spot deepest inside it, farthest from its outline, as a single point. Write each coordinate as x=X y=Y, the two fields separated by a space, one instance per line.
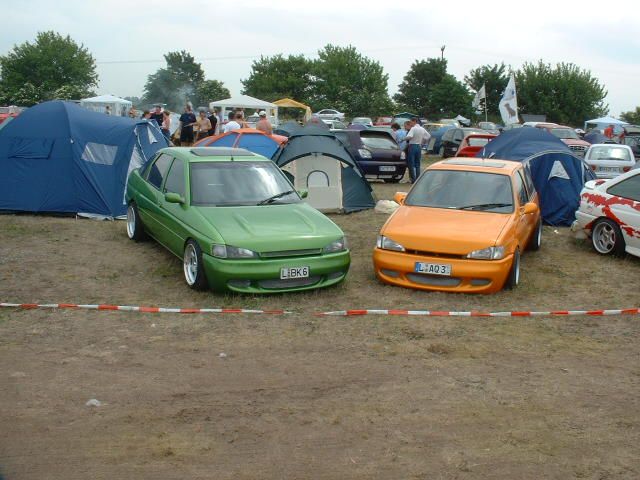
x=193 y=266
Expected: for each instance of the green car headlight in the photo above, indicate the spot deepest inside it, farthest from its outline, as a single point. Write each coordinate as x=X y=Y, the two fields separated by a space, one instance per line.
x=490 y=253
x=386 y=243
x=339 y=245
x=229 y=251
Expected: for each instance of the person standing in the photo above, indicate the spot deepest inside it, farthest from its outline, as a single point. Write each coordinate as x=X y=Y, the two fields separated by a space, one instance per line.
x=416 y=137
x=146 y=115
x=157 y=115
x=166 y=125
x=107 y=110
x=187 y=120
x=264 y=125
x=608 y=132
x=203 y=125
x=232 y=124
x=213 y=119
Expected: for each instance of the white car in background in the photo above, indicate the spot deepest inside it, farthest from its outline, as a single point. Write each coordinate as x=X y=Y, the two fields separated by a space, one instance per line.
x=609 y=214
x=609 y=160
x=366 y=121
x=330 y=114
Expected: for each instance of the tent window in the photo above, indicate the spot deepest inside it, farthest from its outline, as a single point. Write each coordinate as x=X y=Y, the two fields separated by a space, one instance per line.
x=32 y=148
x=317 y=179
x=100 y=153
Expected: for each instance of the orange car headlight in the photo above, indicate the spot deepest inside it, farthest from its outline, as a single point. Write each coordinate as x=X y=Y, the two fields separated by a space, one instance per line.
x=489 y=253
x=386 y=243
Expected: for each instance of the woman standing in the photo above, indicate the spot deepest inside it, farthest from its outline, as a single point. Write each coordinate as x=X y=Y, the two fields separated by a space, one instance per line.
x=166 y=125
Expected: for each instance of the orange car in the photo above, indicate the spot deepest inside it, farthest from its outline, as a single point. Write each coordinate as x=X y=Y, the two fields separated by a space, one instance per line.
x=461 y=228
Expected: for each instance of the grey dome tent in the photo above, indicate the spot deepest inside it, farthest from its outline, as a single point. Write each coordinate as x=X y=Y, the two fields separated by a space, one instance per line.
x=315 y=160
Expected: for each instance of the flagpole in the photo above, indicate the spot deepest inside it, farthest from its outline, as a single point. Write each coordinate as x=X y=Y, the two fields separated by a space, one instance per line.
x=484 y=85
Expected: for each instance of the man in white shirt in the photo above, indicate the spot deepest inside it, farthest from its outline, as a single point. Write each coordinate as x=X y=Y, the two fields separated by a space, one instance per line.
x=416 y=137
x=232 y=124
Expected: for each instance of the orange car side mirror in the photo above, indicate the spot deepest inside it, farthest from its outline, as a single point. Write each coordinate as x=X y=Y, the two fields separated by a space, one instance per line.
x=529 y=208
x=399 y=197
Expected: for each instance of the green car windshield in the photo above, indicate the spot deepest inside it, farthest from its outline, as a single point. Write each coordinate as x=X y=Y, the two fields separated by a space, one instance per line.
x=239 y=183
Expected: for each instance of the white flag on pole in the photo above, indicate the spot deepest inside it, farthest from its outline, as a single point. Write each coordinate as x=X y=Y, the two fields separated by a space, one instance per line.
x=480 y=94
x=509 y=103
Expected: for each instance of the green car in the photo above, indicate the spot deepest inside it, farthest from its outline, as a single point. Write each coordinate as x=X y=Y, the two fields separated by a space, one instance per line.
x=235 y=220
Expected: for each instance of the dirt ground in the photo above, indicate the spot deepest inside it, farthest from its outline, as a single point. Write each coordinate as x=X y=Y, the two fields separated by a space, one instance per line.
x=306 y=397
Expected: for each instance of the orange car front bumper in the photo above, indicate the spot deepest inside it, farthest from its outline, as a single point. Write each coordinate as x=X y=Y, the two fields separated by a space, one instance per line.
x=467 y=276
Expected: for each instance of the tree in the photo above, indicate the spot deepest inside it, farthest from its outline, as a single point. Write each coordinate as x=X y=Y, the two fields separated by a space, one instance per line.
x=451 y=97
x=495 y=80
x=177 y=83
x=631 y=116
x=276 y=77
x=565 y=93
x=415 y=91
x=52 y=67
x=345 y=80
x=210 y=91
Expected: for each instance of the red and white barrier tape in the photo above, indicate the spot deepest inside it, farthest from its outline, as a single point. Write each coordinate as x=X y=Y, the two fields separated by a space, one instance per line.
x=339 y=313
x=128 y=308
x=434 y=313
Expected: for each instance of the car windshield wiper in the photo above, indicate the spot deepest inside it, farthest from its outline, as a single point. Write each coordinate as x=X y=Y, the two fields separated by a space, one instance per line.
x=485 y=206
x=275 y=197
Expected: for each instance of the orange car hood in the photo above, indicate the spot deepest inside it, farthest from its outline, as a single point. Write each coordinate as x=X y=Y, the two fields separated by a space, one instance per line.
x=440 y=230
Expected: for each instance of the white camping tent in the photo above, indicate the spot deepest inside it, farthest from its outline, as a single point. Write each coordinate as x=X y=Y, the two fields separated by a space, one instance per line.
x=118 y=106
x=604 y=122
x=245 y=101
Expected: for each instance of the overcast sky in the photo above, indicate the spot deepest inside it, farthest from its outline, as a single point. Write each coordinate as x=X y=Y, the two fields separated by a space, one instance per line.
x=128 y=38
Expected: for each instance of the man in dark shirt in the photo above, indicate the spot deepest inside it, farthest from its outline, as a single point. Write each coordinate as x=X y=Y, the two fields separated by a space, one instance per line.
x=213 y=118
x=187 y=119
x=157 y=115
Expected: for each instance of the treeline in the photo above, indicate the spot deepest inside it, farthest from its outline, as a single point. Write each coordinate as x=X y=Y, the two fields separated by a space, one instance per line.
x=57 y=67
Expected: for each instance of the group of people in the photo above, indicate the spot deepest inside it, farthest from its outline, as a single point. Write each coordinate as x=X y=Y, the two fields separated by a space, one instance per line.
x=411 y=137
x=196 y=127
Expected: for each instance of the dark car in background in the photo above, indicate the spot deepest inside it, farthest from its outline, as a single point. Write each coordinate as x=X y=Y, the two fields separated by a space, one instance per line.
x=631 y=138
x=452 y=139
x=376 y=152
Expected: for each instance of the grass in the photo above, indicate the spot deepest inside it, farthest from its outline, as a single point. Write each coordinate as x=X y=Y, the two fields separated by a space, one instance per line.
x=301 y=396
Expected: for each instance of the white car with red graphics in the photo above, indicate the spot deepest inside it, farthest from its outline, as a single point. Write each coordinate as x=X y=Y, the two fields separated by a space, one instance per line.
x=609 y=214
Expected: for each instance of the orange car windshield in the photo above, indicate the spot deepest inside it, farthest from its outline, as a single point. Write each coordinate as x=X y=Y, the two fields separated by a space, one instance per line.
x=462 y=190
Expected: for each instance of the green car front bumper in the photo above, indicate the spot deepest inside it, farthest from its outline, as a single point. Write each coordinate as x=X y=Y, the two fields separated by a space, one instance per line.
x=263 y=275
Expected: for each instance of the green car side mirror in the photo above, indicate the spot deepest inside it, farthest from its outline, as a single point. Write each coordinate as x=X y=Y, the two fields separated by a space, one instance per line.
x=171 y=197
x=303 y=193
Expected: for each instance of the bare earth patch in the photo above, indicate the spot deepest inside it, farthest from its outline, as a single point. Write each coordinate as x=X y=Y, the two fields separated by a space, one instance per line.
x=300 y=396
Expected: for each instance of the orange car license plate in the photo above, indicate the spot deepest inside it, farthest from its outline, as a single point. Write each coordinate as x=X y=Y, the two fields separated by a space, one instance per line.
x=433 y=268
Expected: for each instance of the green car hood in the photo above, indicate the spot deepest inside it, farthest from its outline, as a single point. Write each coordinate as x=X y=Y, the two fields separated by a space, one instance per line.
x=269 y=228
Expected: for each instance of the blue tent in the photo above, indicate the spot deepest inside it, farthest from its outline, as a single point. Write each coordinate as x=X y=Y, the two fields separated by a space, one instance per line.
x=60 y=157
x=557 y=174
x=248 y=138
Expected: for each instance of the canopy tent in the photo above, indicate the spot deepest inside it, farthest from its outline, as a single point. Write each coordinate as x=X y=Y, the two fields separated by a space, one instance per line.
x=255 y=141
x=463 y=120
x=60 y=157
x=245 y=101
x=118 y=106
x=558 y=175
x=290 y=103
x=315 y=160
x=603 y=122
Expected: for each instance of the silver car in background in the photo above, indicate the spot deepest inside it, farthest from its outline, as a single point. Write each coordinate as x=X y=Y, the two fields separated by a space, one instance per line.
x=608 y=160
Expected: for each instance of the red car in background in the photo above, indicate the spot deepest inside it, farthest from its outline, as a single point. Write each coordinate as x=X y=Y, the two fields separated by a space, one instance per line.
x=6 y=112
x=472 y=144
x=385 y=121
x=568 y=135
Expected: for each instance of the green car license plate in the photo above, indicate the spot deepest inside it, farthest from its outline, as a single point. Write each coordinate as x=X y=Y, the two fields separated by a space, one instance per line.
x=294 y=272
